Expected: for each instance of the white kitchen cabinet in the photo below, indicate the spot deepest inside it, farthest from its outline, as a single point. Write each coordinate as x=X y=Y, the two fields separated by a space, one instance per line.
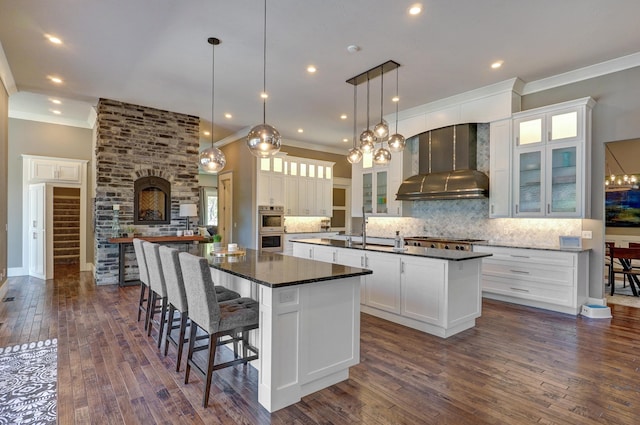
x=308 y=187
x=303 y=250
x=383 y=286
x=355 y=258
x=270 y=188
x=375 y=187
x=500 y=169
x=554 y=280
x=290 y=237
x=42 y=169
x=422 y=284
x=552 y=150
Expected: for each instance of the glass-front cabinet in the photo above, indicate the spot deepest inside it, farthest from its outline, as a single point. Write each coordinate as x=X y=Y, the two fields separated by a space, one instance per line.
x=374 y=192
x=551 y=157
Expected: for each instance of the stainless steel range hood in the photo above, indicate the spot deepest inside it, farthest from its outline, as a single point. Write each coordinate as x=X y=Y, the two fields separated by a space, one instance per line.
x=447 y=167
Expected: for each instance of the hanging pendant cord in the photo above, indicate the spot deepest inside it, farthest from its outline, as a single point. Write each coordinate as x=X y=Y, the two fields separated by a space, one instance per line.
x=213 y=85
x=264 y=66
x=367 y=102
x=355 y=112
x=381 y=94
x=398 y=101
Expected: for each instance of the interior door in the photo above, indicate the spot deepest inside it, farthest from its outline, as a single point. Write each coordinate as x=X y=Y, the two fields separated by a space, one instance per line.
x=37 y=230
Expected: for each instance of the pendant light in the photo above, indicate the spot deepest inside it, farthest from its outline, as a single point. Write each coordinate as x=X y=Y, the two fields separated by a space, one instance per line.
x=212 y=160
x=382 y=156
x=367 y=137
x=381 y=129
x=397 y=141
x=355 y=155
x=264 y=140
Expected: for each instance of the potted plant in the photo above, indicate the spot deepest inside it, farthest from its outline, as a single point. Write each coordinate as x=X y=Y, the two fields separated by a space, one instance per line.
x=217 y=242
x=130 y=231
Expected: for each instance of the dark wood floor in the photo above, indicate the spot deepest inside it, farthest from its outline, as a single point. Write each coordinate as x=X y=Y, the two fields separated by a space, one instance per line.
x=518 y=366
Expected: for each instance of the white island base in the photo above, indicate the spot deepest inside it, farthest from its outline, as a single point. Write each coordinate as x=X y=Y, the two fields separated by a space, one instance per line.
x=309 y=334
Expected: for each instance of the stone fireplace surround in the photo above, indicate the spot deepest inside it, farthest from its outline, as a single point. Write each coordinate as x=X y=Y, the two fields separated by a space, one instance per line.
x=133 y=142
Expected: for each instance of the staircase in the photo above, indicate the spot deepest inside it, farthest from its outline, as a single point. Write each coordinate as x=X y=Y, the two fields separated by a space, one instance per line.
x=66 y=229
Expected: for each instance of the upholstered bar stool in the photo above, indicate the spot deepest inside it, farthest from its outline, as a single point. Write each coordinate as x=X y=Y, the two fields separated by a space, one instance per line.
x=233 y=319
x=144 y=280
x=157 y=287
x=177 y=298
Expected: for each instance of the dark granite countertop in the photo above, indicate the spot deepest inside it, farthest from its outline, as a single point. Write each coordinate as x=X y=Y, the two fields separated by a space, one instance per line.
x=277 y=270
x=440 y=254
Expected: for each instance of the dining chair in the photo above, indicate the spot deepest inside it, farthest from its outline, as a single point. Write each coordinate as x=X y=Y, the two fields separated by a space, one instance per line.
x=177 y=299
x=625 y=257
x=231 y=320
x=144 y=280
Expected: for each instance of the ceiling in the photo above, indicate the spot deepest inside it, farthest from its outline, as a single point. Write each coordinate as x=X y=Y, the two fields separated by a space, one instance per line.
x=154 y=53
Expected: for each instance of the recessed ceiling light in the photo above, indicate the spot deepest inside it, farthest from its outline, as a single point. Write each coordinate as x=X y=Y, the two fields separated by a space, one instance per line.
x=206 y=133
x=415 y=9
x=311 y=69
x=56 y=80
x=353 y=48
x=497 y=64
x=345 y=140
x=343 y=116
x=264 y=95
x=56 y=101
x=53 y=39
x=300 y=130
x=395 y=99
x=228 y=116
x=55 y=111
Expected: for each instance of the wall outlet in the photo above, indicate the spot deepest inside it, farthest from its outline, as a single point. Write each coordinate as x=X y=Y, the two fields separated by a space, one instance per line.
x=587 y=234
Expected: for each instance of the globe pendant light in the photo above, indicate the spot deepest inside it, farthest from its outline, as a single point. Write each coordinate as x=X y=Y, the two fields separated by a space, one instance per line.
x=397 y=141
x=381 y=129
x=212 y=160
x=381 y=156
x=367 y=137
x=264 y=140
x=355 y=155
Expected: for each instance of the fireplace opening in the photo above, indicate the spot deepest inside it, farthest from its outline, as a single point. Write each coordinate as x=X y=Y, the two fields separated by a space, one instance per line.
x=152 y=201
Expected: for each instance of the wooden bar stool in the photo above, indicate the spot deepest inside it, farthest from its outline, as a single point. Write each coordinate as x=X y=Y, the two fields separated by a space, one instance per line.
x=144 y=280
x=177 y=299
x=233 y=319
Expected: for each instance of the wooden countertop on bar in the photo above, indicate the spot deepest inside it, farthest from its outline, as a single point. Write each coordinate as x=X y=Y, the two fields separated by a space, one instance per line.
x=195 y=238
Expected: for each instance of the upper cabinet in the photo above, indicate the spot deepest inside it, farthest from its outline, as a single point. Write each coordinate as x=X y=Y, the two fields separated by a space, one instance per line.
x=44 y=169
x=303 y=186
x=374 y=187
x=500 y=169
x=551 y=159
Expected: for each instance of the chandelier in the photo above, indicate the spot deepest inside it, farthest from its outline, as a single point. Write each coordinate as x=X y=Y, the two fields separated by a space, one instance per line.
x=622 y=182
x=380 y=133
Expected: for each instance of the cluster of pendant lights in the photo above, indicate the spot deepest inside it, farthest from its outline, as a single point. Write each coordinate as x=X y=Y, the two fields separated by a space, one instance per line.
x=263 y=139
x=380 y=133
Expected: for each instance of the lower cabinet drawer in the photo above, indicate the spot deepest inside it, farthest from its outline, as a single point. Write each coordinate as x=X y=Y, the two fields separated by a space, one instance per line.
x=549 y=275
x=537 y=291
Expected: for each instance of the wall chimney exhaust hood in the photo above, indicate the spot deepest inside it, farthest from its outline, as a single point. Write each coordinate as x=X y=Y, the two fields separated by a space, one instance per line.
x=447 y=166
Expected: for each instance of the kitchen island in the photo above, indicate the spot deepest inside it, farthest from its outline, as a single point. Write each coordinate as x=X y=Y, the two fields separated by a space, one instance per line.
x=309 y=331
x=433 y=290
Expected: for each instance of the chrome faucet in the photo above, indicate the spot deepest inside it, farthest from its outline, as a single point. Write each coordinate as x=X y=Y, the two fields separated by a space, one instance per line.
x=364 y=229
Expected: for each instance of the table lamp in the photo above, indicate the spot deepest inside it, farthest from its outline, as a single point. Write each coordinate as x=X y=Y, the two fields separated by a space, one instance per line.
x=188 y=210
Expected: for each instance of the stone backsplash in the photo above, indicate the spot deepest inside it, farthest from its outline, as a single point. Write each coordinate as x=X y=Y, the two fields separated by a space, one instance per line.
x=131 y=142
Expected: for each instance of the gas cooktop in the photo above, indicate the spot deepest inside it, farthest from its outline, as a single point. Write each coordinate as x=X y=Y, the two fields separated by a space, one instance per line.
x=439 y=242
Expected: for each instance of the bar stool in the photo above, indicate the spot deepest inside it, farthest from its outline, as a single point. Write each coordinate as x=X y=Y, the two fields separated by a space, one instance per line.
x=177 y=298
x=144 y=280
x=233 y=319
x=157 y=287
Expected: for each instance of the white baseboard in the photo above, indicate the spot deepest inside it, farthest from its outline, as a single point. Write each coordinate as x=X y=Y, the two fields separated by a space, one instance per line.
x=88 y=267
x=17 y=271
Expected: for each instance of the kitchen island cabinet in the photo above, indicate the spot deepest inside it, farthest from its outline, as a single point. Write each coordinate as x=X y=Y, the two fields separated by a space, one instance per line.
x=309 y=334
x=433 y=290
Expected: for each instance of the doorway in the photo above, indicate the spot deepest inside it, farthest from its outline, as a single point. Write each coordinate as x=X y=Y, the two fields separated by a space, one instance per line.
x=66 y=231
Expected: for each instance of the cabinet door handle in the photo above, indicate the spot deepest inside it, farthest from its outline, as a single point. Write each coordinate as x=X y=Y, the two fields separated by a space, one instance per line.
x=35 y=235
x=549 y=135
x=310 y=252
x=361 y=261
x=519 y=289
x=548 y=208
x=519 y=271
x=491 y=208
x=334 y=257
x=516 y=208
x=519 y=256
x=401 y=266
x=366 y=261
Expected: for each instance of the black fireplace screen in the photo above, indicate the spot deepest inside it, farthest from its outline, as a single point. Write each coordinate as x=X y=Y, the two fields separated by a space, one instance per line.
x=152 y=201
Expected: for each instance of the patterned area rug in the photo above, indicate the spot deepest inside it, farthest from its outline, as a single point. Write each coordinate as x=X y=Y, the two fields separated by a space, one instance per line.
x=28 y=376
x=622 y=295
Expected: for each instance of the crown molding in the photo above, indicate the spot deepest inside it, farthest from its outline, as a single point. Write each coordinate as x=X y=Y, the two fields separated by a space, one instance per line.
x=5 y=74
x=21 y=115
x=581 y=74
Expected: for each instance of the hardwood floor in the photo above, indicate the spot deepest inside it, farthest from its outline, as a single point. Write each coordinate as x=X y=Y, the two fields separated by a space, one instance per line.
x=518 y=366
